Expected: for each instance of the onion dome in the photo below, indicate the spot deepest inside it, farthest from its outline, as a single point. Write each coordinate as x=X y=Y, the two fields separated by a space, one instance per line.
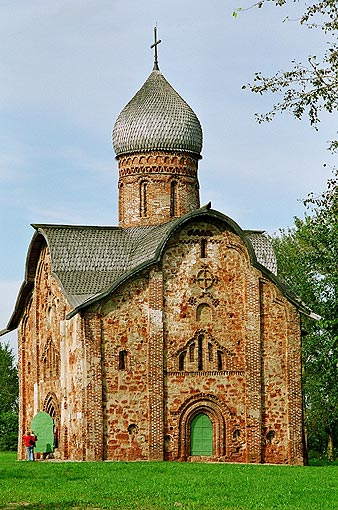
x=157 y=118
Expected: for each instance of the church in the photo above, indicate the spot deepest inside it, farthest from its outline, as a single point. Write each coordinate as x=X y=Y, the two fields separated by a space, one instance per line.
x=169 y=336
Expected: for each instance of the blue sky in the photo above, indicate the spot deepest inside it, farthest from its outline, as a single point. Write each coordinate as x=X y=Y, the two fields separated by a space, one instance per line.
x=69 y=67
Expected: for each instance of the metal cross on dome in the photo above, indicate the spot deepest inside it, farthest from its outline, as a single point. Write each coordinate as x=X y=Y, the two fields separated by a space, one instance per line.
x=156 y=42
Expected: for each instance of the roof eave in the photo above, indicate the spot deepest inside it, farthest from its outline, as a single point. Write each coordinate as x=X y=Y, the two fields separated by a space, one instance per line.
x=27 y=286
x=178 y=223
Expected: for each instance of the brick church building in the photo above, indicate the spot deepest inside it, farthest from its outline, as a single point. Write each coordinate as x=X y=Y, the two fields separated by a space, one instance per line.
x=169 y=336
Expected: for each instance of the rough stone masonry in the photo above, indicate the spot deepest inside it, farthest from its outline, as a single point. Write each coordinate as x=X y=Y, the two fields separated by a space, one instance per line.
x=169 y=336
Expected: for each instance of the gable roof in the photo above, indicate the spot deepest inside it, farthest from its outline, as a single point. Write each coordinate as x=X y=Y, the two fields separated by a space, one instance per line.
x=90 y=262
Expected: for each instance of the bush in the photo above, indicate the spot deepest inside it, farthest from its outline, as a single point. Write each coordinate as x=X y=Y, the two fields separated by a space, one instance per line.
x=8 y=431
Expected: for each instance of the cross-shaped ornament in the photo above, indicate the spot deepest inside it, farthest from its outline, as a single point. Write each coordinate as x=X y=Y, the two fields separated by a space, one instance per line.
x=155 y=46
x=204 y=279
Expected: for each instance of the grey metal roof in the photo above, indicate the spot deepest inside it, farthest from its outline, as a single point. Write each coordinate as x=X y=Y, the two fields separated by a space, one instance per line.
x=90 y=262
x=263 y=249
x=157 y=118
x=87 y=260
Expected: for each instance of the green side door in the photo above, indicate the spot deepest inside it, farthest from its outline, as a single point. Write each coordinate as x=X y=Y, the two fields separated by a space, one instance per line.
x=201 y=435
x=43 y=427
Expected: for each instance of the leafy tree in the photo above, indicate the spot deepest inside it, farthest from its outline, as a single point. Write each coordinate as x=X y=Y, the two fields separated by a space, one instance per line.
x=307 y=88
x=307 y=255
x=308 y=252
x=8 y=399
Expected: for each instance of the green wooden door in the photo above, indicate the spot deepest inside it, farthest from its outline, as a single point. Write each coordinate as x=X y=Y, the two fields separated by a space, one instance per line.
x=201 y=435
x=43 y=427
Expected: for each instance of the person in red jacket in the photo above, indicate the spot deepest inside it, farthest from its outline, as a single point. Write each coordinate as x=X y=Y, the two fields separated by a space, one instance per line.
x=29 y=439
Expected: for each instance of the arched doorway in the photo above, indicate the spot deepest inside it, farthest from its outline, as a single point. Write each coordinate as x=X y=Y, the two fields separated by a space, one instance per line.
x=51 y=407
x=202 y=427
x=201 y=436
x=43 y=427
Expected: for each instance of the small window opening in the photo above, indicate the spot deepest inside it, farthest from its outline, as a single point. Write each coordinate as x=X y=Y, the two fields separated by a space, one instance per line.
x=210 y=353
x=181 y=360
x=200 y=352
x=219 y=360
x=122 y=360
x=143 y=199
x=192 y=352
x=203 y=248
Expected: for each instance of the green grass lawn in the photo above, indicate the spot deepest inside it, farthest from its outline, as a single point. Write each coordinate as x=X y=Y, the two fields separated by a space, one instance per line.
x=164 y=486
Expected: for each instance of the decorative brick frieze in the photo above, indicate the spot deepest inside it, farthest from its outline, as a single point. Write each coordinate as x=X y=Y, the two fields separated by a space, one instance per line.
x=156 y=187
x=158 y=163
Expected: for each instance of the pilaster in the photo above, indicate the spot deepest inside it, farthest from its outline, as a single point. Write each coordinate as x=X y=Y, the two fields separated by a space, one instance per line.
x=155 y=366
x=253 y=373
x=92 y=387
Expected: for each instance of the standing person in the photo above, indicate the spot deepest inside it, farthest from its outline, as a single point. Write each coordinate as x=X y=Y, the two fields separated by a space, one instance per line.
x=29 y=439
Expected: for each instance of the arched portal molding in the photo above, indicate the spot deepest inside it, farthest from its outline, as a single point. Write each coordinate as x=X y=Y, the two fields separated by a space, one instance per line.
x=216 y=410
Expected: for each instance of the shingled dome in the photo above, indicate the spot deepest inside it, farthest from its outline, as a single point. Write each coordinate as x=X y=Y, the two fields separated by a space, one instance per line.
x=157 y=118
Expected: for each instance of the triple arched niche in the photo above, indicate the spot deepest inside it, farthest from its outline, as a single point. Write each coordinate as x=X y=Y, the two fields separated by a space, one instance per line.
x=203 y=353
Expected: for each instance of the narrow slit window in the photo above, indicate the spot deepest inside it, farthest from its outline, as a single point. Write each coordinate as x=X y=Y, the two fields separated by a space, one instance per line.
x=143 y=199
x=210 y=353
x=173 y=199
x=200 y=352
x=203 y=248
x=181 y=360
x=219 y=360
x=192 y=352
x=122 y=360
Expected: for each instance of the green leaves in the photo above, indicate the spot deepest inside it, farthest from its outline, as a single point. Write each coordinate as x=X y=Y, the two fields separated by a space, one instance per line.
x=8 y=399
x=235 y=13
x=308 y=89
x=307 y=256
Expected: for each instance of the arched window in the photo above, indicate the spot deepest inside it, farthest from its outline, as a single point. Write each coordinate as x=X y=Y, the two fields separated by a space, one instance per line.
x=50 y=362
x=181 y=360
x=51 y=407
x=204 y=313
x=173 y=198
x=143 y=199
